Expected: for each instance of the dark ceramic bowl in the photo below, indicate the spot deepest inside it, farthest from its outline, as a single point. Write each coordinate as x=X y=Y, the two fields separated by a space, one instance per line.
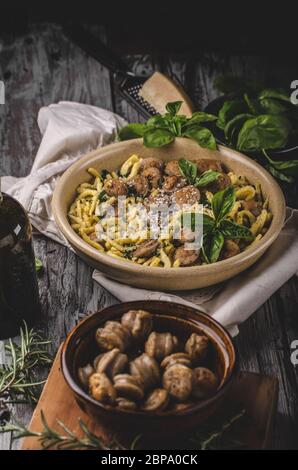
x=80 y=348
x=286 y=153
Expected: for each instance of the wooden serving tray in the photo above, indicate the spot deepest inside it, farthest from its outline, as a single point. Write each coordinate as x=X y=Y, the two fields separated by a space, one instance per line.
x=255 y=393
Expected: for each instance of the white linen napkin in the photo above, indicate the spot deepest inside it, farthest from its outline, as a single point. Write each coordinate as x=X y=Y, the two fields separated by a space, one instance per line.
x=69 y=131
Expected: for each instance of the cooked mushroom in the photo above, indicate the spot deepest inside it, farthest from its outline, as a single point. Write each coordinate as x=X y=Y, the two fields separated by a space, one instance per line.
x=176 y=358
x=205 y=165
x=146 y=249
x=188 y=195
x=101 y=388
x=139 y=185
x=116 y=187
x=157 y=400
x=197 y=347
x=172 y=168
x=138 y=322
x=186 y=257
x=112 y=363
x=126 y=404
x=230 y=248
x=84 y=373
x=152 y=162
x=146 y=368
x=129 y=386
x=154 y=176
x=160 y=345
x=255 y=207
x=177 y=380
x=204 y=383
x=113 y=335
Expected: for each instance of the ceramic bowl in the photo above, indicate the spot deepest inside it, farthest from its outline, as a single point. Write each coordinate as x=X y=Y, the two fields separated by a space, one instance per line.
x=80 y=348
x=111 y=157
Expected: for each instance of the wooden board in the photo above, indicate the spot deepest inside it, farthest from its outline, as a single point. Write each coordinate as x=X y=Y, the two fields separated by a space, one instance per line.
x=255 y=393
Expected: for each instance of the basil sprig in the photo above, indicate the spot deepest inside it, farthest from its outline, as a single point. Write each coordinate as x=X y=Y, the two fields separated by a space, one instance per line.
x=189 y=170
x=255 y=118
x=218 y=228
x=161 y=130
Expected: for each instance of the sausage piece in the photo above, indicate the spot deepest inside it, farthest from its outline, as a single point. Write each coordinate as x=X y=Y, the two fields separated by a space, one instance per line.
x=205 y=165
x=186 y=257
x=153 y=175
x=187 y=195
x=139 y=184
x=222 y=182
x=173 y=182
x=152 y=162
x=116 y=187
x=172 y=168
x=146 y=249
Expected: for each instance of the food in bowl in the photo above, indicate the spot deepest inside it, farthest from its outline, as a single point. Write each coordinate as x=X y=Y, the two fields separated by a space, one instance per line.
x=119 y=212
x=141 y=369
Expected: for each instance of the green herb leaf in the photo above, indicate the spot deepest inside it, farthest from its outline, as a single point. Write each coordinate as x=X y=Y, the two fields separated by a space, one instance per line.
x=266 y=131
x=232 y=231
x=279 y=174
x=132 y=131
x=223 y=202
x=202 y=136
x=288 y=167
x=253 y=105
x=206 y=178
x=173 y=108
x=102 y=196
x=38 y=264
x=208 y=223
x=188 y=169
x=157 y=137
x=216 y=245
x=199 y=117
x=273 y=106
x=233 y=127
x=229 y=110
x=274 y=93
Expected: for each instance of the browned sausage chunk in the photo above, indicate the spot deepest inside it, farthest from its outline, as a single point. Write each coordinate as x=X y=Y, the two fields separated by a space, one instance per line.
x=254 y=206
x=186 y=257
x=230 y=249
x=187 y=195
x=146 y=249
x=222 y=182
x=205 y=165
x=139 y=184
x=154 y=176
x=172 y=168
x=115 y=187
x=171 y=183
x=152 y=162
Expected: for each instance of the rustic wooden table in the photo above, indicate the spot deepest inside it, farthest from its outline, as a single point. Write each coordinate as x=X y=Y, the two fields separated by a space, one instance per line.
x=41 y=66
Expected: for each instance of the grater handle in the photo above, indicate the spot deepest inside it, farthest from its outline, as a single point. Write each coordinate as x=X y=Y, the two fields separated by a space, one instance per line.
x=96 y=49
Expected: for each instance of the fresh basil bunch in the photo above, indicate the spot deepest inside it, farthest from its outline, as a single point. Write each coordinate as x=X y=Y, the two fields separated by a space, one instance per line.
x=189 y=170
x=161 y=130
x=258 y=119
x=218 y=228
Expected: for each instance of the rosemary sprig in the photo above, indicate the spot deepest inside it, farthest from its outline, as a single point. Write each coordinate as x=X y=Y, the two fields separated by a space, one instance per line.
x=17 y=379
x=208 y=437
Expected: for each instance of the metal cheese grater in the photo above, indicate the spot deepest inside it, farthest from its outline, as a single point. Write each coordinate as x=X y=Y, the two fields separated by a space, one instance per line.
x=129 y=83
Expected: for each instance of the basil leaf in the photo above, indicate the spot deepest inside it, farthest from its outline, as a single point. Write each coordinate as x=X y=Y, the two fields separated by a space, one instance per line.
x=188 y=169
x=274 y=93
x=157 y=121
x=199 y=117
x=174 y=107
x=273 y=106
x=157 y=137
x=233 y=127
x=288 y=167
x=208 y=223
x=231 y=230
x=206 y=178
x=230 y=84
x=132 y=131
x=223 y=202
x=229 y=110
x=252 y=104
x=38 y=265
x=102 y=196
x=266 y=131
x=205 y=247
x=279 y=174
x=202 y=136
x=216 y=245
